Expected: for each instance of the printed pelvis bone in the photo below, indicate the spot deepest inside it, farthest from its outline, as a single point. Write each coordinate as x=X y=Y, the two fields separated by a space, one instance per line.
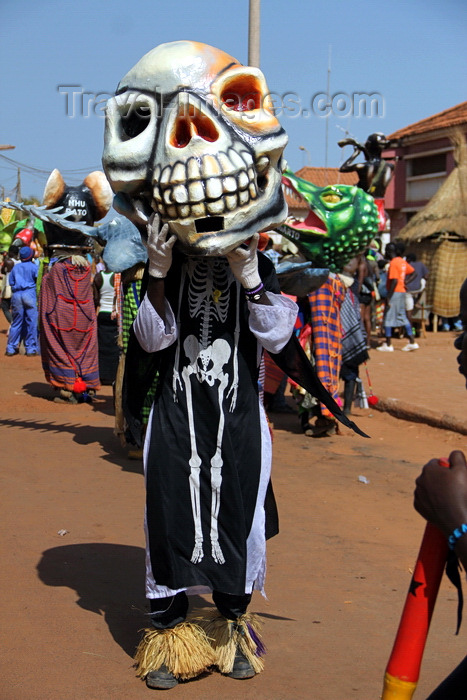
x=191 y=135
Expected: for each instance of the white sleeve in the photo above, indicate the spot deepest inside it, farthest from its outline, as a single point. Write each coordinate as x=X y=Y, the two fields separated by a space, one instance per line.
x=273 y=325
x=150 y=330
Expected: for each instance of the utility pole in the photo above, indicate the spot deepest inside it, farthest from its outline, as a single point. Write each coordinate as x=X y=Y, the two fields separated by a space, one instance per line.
x=5 y=147
x=254 y=33
x=18 y=186
x=328 y=98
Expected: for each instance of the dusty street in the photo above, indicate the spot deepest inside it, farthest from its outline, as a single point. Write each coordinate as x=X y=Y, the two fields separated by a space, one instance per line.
x=73 y=604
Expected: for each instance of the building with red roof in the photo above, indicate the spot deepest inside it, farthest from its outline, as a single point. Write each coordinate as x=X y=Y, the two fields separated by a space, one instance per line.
x=424 y=158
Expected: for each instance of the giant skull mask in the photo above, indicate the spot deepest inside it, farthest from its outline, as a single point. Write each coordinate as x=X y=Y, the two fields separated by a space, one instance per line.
x=191 y=134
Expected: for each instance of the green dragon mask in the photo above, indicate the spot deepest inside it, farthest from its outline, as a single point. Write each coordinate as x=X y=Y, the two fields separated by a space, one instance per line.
x=341 y=222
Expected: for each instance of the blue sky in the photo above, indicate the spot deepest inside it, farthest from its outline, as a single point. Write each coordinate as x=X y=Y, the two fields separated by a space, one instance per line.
x=410 y=55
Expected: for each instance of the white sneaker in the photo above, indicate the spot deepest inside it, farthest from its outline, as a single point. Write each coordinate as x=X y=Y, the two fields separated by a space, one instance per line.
x=410 y=346
x=385 y=348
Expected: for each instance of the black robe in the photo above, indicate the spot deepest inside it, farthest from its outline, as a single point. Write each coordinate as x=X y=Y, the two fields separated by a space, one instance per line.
x=205 y=425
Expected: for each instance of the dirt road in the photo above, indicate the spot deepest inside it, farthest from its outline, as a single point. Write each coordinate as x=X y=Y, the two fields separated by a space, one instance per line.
x=72 y=604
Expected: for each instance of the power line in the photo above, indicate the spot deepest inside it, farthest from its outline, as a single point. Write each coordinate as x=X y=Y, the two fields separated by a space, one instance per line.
x=46 y=171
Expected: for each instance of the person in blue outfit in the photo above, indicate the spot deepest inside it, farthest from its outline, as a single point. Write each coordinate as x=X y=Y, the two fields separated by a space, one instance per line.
x=23 y=305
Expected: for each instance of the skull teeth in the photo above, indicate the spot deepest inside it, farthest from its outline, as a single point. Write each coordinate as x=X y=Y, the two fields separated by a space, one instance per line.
x=213 y=188
x=211 y=185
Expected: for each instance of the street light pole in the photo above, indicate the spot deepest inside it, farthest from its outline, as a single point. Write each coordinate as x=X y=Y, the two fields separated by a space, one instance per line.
x=254 y=33
x=302 y=148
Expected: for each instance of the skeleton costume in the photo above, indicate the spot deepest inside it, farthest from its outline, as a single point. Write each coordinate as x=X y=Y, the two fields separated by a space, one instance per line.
x=191 y=137
x=207 y=459
x=208 y=450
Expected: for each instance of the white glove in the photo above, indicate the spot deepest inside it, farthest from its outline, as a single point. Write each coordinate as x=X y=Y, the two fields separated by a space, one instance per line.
x=159 y=248
x=244 y=264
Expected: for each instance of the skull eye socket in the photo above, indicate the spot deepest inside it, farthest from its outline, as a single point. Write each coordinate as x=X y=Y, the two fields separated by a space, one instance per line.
x=242 y=94
x=135 y=117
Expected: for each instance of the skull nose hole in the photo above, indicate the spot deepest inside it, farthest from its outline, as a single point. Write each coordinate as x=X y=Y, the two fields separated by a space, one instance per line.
x=193 y=124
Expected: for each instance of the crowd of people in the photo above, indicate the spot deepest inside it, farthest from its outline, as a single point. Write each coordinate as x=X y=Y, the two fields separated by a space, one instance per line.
x=377 y=294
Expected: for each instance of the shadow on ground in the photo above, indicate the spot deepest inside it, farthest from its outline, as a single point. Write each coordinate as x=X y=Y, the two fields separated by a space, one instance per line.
x=289 y=422
x=83 y=435
x=43 y=390
x=109 y=581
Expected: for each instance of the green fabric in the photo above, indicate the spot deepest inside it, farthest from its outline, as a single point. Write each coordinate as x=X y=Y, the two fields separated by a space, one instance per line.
x=131 y=300
x=38 y=225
